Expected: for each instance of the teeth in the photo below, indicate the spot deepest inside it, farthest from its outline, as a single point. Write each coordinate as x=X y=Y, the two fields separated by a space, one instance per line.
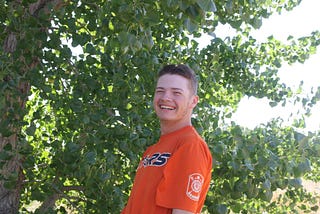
x=167 y=107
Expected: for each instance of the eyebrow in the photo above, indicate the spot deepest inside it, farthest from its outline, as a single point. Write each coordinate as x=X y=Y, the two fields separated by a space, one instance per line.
x=174 y=89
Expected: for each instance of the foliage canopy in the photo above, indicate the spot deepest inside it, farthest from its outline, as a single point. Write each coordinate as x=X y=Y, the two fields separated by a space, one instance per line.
x=75 y=122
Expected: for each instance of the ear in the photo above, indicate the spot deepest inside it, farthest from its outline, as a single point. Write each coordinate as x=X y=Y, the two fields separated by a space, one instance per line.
x=194 y=101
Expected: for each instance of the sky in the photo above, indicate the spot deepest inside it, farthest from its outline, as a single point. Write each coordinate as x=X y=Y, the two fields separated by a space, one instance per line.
x=301 y=21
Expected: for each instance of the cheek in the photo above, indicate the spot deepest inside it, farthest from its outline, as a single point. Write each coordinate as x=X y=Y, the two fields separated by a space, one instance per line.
x=155 y=100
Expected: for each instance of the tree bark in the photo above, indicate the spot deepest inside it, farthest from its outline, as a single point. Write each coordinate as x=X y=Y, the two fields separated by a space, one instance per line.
x=11 y=171
x=9 y=197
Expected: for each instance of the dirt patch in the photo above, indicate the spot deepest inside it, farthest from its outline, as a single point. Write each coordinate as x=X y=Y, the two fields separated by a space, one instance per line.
x=311 y=186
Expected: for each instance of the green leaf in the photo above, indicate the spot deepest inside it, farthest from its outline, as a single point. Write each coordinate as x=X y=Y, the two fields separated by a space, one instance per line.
x=296 y=182
x=207 y=5
x=236 y=24
x=4 y=155
x=266 y=184
x=106 y=176
x=90 y=49
x=236 y=195
x=221 y=209
x=38 y=194
x=191 y=25
x=248 y=164
x=31 y=129
x=10 y=185
x=91 y=157
x=282 y=183
x=239 y=186
x=73 y=147
x=5 y=131
x=267 y=195
x=7 y=147
x=315 y=208
x=86 y=119
x=257 y=22
x=273 y=104
x=236 y=165
x=302 y=168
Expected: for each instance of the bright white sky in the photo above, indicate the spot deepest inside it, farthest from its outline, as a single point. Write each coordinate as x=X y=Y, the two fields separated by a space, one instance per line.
x=301 y=21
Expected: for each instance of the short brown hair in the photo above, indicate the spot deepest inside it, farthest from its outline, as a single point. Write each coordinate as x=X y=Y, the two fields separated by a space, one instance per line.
x=182 y=70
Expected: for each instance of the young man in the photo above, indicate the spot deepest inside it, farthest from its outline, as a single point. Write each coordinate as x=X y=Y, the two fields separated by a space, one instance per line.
x=174 y=174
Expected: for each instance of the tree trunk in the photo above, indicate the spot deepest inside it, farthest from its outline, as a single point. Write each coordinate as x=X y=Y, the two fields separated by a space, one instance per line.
x=11 y=171
x=12 y=178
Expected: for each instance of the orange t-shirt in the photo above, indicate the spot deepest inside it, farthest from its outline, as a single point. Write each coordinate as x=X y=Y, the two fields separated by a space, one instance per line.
x=174 y=173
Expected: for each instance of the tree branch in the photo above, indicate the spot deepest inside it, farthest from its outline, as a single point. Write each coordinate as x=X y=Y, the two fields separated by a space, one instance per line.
x=36 y=7
x=51 y=200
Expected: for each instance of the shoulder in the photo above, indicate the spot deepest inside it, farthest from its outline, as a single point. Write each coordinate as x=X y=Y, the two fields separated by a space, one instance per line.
x=191 y=137
x=191 y=142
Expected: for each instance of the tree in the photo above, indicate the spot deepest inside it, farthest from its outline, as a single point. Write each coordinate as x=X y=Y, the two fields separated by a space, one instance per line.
x=73 y=124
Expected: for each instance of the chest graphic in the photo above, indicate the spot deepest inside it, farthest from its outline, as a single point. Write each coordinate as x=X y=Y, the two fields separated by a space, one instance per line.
x=156 y=159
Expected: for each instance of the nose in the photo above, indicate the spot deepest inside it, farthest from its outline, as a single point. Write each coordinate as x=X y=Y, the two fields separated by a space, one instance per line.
x=166 y=97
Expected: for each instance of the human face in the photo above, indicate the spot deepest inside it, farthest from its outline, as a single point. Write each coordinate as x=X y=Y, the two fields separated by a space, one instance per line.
x=173 y=100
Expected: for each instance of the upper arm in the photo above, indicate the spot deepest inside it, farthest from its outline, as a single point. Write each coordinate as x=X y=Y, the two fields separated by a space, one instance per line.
x=177 y=211
x=185 y=181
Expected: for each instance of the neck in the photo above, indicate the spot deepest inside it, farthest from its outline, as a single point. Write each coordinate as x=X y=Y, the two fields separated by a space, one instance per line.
x=167 y=127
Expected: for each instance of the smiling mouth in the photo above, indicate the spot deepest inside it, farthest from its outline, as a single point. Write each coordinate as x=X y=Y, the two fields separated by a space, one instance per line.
x=167 y=107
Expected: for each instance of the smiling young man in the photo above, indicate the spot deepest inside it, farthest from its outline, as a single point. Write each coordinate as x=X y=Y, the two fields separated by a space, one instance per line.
x=174 y=174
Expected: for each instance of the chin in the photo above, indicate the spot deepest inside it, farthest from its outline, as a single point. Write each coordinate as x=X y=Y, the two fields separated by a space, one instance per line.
x=165 y=118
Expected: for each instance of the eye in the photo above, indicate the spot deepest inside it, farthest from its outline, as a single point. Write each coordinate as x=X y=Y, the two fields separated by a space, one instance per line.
x=177 y=93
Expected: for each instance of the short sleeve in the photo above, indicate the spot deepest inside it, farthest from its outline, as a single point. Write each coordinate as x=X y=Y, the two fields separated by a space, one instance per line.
x=186 y=177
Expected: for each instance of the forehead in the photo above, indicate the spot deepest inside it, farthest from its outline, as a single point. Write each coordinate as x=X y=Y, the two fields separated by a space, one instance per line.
x=173 y=81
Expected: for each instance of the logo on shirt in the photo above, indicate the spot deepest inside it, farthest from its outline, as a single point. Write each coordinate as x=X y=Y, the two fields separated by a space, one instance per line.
x=157 y=159
x=194 y=186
